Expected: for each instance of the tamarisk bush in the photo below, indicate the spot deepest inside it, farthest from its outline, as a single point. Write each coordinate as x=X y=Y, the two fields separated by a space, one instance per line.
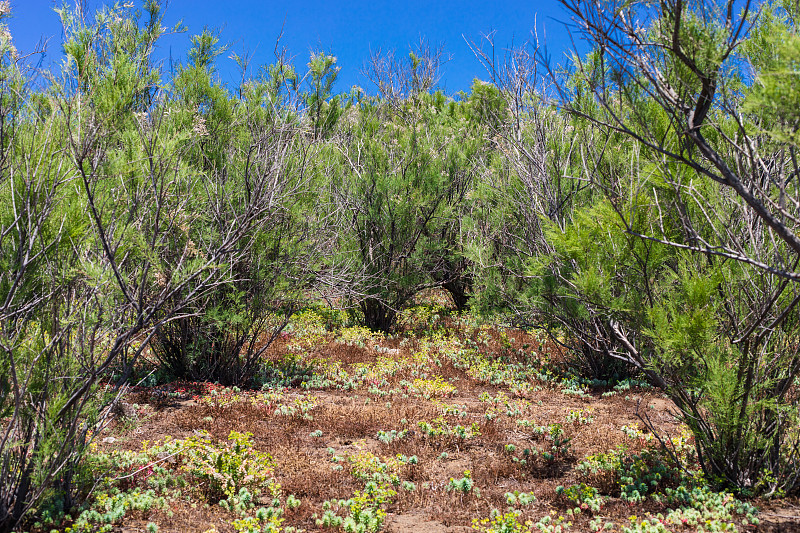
x=680 y=257
x=128 y=206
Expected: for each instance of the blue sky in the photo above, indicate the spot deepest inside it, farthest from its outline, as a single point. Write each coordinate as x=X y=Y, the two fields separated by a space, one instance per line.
x=349 y=30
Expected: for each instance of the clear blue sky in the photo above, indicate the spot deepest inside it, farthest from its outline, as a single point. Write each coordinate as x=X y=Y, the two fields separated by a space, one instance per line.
x=350 y=30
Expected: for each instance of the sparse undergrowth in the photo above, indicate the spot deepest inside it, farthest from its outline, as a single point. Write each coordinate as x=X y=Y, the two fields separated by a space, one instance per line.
x=467 y=425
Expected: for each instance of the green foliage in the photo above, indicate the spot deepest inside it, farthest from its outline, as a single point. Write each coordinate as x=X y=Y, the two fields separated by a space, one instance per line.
x=365 y=510
x=773 y=49
x=502 y=523
x=231 y=471
x=587 y=498
x=682 y=228
x=74 y=288
x=640 y=265
x=109 y=509
x=288 y=371
x=463 y=485
x=520 y=498
x=322 y=109
x=636 y=476
x=701 y=508
x=144 y=210
x=439 y=428
x=510 y=522
x=560 y=443
x=403 y=180
x=388 y=437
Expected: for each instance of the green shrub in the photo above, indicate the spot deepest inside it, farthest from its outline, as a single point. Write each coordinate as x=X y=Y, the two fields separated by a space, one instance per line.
x=229 y=469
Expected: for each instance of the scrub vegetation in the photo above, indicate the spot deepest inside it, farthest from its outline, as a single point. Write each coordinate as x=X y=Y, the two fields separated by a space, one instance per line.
x=566 y=300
